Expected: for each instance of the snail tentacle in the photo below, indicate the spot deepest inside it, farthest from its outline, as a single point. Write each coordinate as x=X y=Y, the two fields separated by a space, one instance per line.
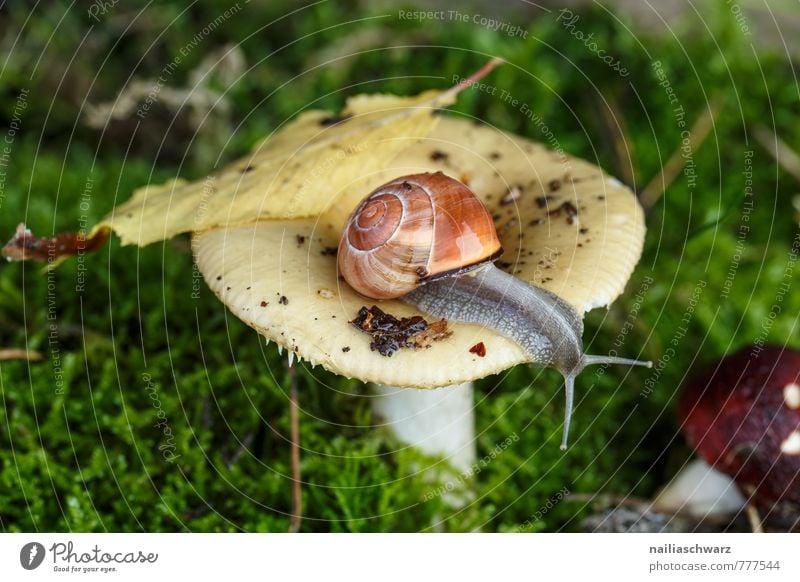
x=547 y=328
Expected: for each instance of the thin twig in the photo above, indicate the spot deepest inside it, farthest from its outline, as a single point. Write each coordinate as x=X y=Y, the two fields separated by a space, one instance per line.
x=20 y=354
x=609 y=499
x=697 y=135
x=294 y=417
x=754 y=518
x=338 y=54
x=778 y=149
x=473 y=78
x=205 y=414
x=616 y=130
x=647 y=505
x=231 y=459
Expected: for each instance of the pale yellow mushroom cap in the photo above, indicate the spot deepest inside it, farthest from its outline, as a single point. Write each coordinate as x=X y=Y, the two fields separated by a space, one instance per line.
x=564 y=224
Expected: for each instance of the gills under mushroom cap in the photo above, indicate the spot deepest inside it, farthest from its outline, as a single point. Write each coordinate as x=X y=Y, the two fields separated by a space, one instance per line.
x=564 y=225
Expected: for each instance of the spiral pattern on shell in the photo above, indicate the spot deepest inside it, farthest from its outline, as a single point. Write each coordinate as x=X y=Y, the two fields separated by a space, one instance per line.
x=414 y=229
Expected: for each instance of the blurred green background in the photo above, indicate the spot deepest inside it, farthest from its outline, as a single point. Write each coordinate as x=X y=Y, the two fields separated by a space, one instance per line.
x=78 y=447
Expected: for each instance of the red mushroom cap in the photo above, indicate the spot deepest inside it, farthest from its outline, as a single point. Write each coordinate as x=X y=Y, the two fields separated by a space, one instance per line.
x=743 y=417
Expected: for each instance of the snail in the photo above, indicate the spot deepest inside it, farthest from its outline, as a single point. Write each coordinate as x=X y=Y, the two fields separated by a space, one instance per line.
x=429 y=240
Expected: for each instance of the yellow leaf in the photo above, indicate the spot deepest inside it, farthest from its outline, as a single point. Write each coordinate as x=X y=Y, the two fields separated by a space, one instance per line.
x=316 y=157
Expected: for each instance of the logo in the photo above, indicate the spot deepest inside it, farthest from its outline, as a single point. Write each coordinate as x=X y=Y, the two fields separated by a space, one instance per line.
x=31 y=555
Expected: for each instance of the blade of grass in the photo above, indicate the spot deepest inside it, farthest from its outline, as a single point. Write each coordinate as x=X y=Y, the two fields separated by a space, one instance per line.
x=778 y=149
x=697 y=134
x=616 y=133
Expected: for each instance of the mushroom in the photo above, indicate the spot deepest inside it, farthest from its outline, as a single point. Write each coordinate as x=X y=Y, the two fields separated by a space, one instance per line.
x=700 y=490
x=568 y=229
x=743 y=418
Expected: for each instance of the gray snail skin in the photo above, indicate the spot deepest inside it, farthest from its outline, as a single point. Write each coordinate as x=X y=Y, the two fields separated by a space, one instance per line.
x=427 y=239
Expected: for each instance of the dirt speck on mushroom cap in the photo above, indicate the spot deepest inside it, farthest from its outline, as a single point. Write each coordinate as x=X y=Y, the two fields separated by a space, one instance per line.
x=737 y=417
x=316 y=328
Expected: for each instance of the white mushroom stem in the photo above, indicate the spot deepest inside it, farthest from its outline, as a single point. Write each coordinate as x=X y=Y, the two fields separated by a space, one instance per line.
x=440 y=423
x=700 y=490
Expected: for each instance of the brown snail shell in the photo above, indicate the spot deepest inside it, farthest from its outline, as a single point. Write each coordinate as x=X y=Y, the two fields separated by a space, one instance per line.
x=413 y=230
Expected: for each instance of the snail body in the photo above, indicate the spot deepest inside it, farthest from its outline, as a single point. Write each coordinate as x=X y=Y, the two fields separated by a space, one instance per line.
x=427 y=239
